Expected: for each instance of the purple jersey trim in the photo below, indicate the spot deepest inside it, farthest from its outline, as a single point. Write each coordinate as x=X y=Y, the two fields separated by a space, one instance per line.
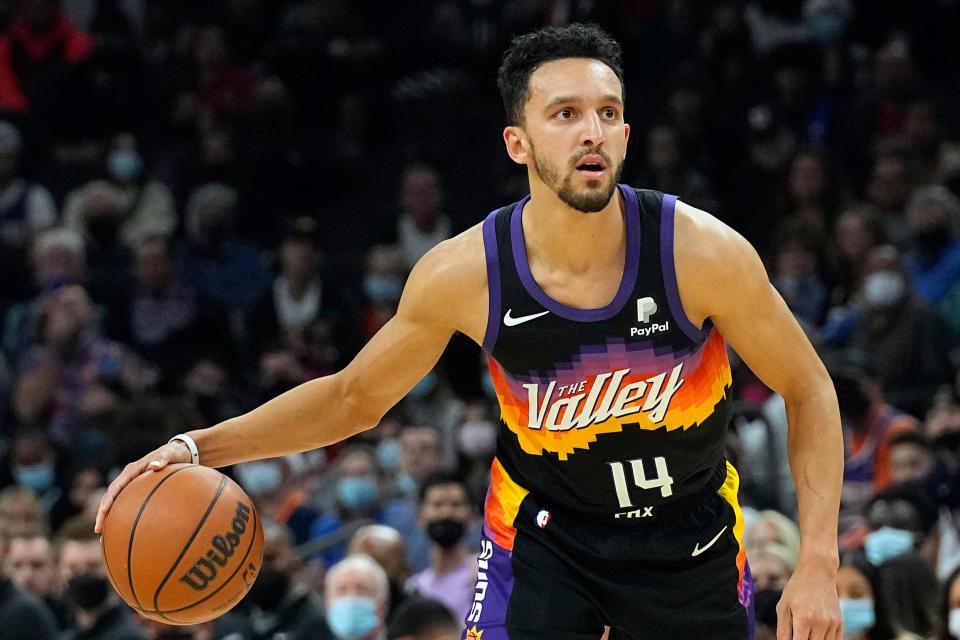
x=667 y=215
x=493 y=281
x=630 y=268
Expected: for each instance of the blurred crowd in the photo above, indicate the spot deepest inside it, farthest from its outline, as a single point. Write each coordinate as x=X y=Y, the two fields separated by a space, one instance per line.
x=204 y=204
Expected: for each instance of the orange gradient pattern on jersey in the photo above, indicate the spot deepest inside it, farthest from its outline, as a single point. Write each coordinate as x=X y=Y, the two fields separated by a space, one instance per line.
x=502 y=504
x=705 y=375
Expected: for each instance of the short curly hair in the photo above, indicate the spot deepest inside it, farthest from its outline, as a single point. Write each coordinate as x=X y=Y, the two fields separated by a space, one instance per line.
x=529 y=51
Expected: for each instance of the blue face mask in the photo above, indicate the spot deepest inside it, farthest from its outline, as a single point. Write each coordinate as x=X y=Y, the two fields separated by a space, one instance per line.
x=357 y=493
x=380 y=288
x=352 y=617
x=858 y=616
x=36 y=477
x=886 y=543
x=124 y=165
x=260 y=477
x=406 y=485
x=388 y=454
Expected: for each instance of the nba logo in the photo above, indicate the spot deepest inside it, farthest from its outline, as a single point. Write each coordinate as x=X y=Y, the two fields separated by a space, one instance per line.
x=543 y=518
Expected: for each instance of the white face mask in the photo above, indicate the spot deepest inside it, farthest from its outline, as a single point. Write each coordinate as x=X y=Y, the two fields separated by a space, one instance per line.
x=883 y=288
x=953 y=623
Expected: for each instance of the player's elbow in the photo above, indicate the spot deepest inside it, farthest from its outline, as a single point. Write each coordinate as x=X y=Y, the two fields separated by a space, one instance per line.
x=359 y=410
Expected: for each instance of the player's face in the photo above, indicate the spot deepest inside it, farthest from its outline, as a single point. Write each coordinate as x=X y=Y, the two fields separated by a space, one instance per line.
x=576 y=138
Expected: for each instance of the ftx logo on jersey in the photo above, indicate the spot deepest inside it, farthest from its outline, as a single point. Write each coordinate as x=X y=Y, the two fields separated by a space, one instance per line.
x=646 y=307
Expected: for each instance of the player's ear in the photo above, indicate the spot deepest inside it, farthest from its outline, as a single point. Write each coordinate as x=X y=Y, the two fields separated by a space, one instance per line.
x=626 y=138
x=517 y=146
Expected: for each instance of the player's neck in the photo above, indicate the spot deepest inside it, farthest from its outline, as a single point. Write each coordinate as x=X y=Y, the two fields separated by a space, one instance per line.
x=572 y=241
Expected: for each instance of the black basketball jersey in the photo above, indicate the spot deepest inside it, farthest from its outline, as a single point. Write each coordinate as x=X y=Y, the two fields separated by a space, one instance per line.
x=607 y=412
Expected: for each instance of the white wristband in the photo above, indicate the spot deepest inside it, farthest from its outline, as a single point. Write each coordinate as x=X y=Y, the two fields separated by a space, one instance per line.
x=191 y=445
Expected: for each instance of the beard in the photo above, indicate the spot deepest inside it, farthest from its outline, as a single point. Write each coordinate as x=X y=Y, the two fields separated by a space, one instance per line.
x=591 y=199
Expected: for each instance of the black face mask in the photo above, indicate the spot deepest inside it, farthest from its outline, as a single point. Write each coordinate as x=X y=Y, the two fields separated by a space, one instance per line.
x=87 y=591
x=270 y=589
x=447 y=532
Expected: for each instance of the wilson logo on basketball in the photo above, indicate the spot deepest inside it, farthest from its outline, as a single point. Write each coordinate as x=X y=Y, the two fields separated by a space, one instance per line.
x=204 y=570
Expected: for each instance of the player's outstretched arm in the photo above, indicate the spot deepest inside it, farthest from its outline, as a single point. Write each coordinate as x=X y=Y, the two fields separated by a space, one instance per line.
x=443 y=294
x=721 y=277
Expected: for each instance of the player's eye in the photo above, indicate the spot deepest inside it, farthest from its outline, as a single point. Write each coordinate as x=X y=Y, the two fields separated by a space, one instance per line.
x=565 y=114
x=610 y=113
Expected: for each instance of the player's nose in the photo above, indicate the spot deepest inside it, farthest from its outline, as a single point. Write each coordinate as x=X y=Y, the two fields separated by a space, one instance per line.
x=592 y=134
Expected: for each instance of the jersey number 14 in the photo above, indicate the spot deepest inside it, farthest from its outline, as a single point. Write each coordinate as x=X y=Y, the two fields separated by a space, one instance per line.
x=662 y=481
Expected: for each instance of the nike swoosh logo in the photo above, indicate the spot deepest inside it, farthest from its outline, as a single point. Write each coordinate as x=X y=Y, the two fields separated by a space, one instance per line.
x=696 y=548
x=512 y=322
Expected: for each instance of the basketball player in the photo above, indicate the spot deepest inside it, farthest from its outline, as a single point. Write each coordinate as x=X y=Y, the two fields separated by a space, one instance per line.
x=604 y=312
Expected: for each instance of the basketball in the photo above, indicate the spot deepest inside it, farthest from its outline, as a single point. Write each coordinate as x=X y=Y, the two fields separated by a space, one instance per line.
x=182 y=545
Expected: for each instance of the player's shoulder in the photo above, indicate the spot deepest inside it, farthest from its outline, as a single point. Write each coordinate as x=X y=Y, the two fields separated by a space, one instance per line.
x=715 y=265
x=705 y=240
x=457 y=261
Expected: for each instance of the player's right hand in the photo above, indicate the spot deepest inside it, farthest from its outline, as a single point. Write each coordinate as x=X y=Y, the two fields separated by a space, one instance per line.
x=170 y=453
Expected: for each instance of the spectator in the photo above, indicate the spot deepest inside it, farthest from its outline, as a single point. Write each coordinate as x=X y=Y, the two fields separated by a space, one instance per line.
x=933 y=214
x=797 y=271
x=84 y=576
x=423 y=619
x=385 y=545
x=771 y=527
x=32 y=566
x=164 y=319
x=356 y=596
x=279 y=489
x=812 y=190
x=33 y=465
x=856 y=232
x=22 y=615
x=771 y=566
x=58 y=257
x=147 y=207
x=421 y=224
x=359 y=496
x=900 y=520
x=20 y=511
x=949 y=619
x=382 y=285
x=909 y=589
x=299 y=314
x=445 y=514
x=72 y=353
x=888 y=190
x=40 y=53
x=215 y=261
x=904 y=341
x=862 y=611
x=26 y=209
x=97 y=211
x=868 y=425
x=911 y=458
x=668 y=171
x=282 y=607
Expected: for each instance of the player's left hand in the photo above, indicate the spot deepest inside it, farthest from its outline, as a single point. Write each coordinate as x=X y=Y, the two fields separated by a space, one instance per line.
x=809 y=608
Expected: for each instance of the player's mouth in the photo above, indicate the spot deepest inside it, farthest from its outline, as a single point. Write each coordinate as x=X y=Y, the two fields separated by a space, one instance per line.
x=592 y=166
